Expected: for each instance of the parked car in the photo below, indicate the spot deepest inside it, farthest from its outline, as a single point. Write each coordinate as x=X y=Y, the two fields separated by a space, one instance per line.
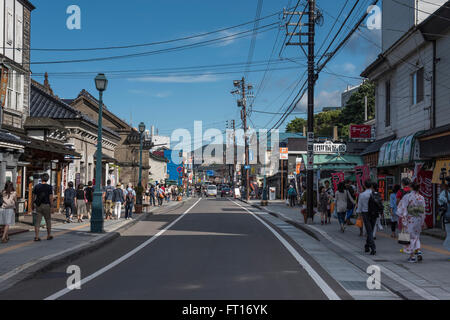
x=211 y=191
x=226 y=192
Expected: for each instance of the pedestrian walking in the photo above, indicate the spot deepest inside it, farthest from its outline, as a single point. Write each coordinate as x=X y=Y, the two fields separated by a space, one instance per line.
x=330 y=193
x=81 y=203
x=152 y=196
x=8 y=209
x=130 y=199
x=89 y=192
x=342 y=199
x=147 y=194
x=118 y=199
x=351 y=201
x=69 y=202
x=108 y=199
x=393 y=210
x=412 y=210
x=42 y=203
x=169 y=194
x=378 y=225
x=323 y=204
x=406 y=182
x=292 y=194
x=444 y=203
x=160 y=195
x=368 y=217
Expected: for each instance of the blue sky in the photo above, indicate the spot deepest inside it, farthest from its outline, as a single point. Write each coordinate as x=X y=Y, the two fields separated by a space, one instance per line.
x=171 y=101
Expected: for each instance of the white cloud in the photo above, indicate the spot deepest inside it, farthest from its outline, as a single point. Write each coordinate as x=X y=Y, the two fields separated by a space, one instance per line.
x=349 y=67
x=177 y=79
x=322 y=100
x=162 y=94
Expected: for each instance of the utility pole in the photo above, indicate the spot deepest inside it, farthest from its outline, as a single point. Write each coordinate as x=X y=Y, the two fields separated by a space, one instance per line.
x=242 y=102
x=312 y=77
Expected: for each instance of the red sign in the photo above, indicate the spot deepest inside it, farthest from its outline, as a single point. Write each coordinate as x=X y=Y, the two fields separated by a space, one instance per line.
x=337 y=178
x=362 y=174
x=3 y=86
x=180 y=170
x=424 y=178
x=360 y=131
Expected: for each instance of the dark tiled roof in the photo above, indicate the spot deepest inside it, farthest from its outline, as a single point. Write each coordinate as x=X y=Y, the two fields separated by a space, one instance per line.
x=434 y=131
x=376 y=146
x=7 y=137
x=44 y=105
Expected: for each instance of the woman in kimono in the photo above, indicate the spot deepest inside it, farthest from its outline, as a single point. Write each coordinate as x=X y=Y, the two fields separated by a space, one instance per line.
x=412 y=211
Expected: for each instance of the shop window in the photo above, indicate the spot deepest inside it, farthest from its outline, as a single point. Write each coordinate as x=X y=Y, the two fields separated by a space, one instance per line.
x=417 y=86
x=14 y=96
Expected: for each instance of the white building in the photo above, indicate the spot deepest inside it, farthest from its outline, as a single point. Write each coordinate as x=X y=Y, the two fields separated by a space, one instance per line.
x=412 y=95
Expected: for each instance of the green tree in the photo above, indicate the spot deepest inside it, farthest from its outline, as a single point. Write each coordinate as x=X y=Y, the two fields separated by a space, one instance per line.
x=353 y=111
x=296 y=125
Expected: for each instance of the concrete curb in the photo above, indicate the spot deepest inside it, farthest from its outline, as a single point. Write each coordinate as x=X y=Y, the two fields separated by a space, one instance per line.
x=291 y=222
x=33 y=268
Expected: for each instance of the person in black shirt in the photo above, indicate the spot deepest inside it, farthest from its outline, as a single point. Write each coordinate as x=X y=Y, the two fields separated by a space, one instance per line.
x=69 y=202
x=42 y=202
x=89 y=197
x=81 y=203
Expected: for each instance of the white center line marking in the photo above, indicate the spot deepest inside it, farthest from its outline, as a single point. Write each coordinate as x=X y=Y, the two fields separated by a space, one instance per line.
x=65 y=291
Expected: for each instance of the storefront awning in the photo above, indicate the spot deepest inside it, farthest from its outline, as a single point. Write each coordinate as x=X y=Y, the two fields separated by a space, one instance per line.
x=335 y=162
x=400 y=151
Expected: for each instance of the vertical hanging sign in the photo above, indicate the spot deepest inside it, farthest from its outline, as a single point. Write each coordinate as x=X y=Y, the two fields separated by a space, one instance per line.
x=3 y=85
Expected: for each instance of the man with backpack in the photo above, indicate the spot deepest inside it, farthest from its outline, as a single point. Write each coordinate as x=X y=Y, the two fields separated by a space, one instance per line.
x=43 y=202
x=69 y=202
x=108 y=199
x=368 y=215
x=130 y=198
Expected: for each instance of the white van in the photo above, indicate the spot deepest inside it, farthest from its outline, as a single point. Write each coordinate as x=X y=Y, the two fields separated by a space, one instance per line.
x=211 y=191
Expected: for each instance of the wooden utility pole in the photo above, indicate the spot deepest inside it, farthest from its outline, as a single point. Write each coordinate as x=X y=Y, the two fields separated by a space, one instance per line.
x=244 y=119
x=312 y=77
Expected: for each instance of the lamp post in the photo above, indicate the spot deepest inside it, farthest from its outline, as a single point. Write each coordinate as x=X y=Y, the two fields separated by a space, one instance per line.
x=141 y=132
x=101 y=84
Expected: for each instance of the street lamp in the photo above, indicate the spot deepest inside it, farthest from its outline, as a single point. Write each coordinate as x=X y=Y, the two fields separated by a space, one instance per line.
x=141 y=133
x=101 y=83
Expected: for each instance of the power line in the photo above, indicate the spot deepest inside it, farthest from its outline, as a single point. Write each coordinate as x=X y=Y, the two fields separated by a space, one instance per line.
x=238 y=35
x=253 y=41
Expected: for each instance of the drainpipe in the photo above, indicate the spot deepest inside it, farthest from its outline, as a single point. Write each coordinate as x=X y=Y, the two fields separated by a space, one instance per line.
x=433 y=84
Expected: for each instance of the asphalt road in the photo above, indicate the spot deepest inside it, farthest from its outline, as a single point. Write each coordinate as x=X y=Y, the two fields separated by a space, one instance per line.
x=216 y=251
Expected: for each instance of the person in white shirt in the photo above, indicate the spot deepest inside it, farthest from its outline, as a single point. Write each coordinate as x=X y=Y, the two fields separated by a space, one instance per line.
x=368 y=218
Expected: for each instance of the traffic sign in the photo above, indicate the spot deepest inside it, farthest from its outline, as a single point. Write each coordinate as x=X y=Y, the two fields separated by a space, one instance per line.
x=284 y=153
x=180 y=169
x=247 y=167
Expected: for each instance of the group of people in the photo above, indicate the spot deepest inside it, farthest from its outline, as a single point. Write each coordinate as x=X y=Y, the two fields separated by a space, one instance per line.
x=156 y=194
x=115 y=198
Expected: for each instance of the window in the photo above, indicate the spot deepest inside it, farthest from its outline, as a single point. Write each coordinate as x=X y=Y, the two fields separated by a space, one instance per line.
x=14 y=96
x=9 y=27
x=417 y=86
x=388 y=103
x=19 y=33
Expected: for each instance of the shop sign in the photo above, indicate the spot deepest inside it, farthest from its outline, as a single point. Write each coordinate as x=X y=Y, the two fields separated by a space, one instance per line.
x=329 y=148
x=3 y=86
x=337 y=178
x=426 y=190
x=441 y=171
x=360 y=131
x=284 y=153
x=362 y=174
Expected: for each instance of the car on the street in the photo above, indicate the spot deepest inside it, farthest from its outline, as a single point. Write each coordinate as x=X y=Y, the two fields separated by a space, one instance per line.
x=226 y=192
x=211 y=191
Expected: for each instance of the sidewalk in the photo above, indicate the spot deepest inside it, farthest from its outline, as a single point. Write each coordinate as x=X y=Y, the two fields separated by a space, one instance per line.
x=428 y=275
x=22 y=257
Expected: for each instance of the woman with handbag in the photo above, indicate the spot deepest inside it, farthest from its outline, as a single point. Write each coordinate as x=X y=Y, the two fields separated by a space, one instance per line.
x=342 y=198
x=8 y=209
x=412 y=211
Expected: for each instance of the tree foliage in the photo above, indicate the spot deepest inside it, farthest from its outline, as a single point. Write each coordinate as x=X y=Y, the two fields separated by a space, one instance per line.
x=352 y=113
